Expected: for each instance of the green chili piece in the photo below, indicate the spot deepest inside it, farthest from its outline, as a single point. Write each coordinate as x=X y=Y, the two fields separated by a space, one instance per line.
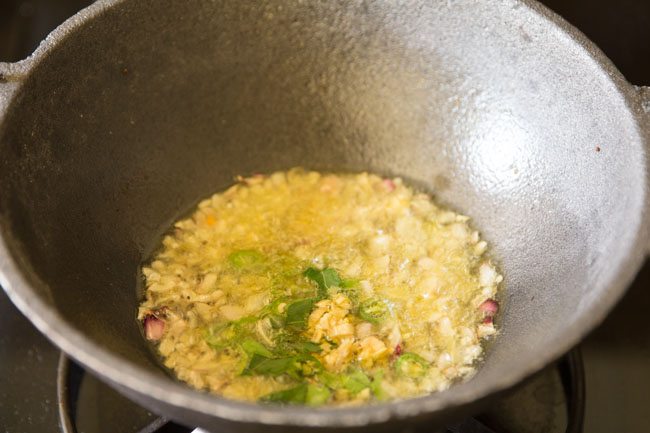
x=244 y=259
x=317 y=395
x=411 y=365
x=373 y=310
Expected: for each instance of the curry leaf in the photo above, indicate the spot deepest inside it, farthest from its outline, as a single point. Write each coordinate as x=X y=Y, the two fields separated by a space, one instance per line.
x=313 y=395
x=334 y=381
x=309 y=347
x=325 y=279
x=298 y=312
x=377 y=388
x=263 y=365
x=356 y=382
x=252 y=347
x=296 y=395
x=306 y=365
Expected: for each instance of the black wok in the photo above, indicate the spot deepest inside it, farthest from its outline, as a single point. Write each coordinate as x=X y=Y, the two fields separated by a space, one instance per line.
x=132 y=111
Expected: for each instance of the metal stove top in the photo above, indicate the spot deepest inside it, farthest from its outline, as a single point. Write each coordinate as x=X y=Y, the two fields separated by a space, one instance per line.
x=41 y=391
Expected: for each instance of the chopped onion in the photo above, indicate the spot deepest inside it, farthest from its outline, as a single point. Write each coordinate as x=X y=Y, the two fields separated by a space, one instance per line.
x=153 y=327
x=489 y=307
x=389 y=184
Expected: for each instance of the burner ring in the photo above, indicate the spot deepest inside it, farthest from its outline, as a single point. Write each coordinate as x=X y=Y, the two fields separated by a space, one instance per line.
x=70 y=379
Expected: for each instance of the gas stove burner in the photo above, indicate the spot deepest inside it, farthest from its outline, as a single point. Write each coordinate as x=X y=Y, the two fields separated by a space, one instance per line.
x=87 y=405
x=552 y=401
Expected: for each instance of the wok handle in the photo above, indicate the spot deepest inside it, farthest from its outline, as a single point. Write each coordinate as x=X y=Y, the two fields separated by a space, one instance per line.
x=10 y=79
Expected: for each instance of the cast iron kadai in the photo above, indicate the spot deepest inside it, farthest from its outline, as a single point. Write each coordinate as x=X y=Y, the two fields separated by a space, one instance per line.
x=133 y=110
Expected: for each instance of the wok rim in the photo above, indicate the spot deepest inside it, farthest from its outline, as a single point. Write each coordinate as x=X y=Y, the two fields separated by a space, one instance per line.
x=145 y=383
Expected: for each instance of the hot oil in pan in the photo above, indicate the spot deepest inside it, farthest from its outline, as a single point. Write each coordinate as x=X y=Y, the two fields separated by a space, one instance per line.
x=403 y=359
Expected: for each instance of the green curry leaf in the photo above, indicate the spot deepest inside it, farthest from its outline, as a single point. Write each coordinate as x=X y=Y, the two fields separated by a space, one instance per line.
x=266 y=366
x=325 y=279
x=296 y=395
x=377 y=388
x=334 y=381
x=253 y=347
x=308 y=347
x=306 y=365
x=311 y=394
x=356 y=381
x=298 y=312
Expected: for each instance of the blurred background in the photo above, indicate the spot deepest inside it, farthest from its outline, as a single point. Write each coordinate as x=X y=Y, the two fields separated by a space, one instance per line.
x=617 y=354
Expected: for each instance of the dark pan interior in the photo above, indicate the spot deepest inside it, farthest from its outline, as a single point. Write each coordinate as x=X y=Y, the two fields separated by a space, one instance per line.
x=154 y=105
